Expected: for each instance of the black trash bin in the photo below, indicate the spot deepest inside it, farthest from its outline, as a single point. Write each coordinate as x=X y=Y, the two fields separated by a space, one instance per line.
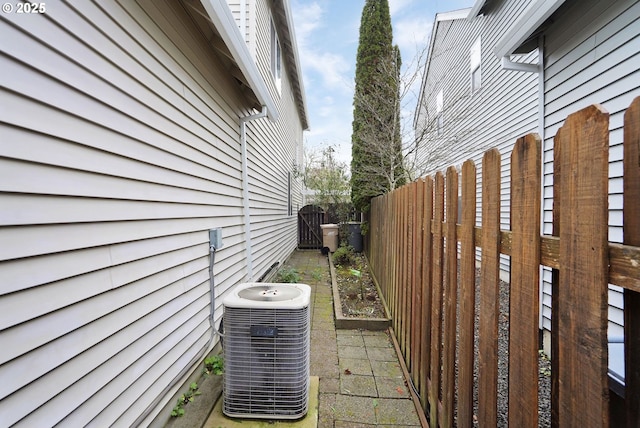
x=355 y=235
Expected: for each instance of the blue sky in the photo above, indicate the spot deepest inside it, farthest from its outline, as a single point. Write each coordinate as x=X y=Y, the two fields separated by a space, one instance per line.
x=327 y=36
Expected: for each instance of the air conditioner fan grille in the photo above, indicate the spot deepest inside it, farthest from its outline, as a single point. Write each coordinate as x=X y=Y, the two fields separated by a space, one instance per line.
x=266 y=354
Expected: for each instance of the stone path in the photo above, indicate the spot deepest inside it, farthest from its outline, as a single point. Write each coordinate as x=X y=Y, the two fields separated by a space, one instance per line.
x=361 y=382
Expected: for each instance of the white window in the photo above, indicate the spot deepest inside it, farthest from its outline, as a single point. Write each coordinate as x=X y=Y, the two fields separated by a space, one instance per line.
x=276 y=61
x=476 y=61
x=439 y=113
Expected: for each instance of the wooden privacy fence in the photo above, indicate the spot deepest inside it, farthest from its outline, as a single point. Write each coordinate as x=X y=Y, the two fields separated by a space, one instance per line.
x=425 y=265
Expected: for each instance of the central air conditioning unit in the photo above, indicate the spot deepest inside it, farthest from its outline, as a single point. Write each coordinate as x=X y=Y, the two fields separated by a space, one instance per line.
x=266 y=351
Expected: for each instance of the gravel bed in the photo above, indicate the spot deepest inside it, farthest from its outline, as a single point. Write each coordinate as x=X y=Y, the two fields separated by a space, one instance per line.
x=544 y=372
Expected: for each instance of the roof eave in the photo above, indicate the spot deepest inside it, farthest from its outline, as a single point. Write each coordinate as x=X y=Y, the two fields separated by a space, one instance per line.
x=221 y=17
x=475 y=9
x=290 y=55
x=525 y=26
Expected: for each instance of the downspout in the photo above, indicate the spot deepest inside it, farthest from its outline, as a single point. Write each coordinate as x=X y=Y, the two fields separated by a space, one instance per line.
x=245 y=186
x=541 y=133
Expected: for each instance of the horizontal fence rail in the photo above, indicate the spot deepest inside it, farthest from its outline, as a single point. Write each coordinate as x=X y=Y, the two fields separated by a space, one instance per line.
x=423 y=251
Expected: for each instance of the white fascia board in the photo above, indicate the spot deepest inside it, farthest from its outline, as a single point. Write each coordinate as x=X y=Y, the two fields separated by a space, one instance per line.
x=531 y=19
x=475 y=9
x=220 y=14
x=454 y=14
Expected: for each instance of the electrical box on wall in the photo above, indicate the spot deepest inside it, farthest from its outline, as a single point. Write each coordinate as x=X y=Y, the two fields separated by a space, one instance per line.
x=215 y=238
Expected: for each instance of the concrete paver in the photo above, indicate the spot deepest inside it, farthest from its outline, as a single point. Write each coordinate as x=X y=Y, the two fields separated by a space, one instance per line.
x=361 y=382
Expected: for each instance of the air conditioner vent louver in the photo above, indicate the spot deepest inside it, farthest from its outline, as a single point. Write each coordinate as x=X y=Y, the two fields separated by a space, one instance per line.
x=266 y=351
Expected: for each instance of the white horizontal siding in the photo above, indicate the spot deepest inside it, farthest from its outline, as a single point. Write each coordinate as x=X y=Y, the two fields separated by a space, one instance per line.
x=119 y=150
x=273 y=150
x=591 y=56
x=503 y=109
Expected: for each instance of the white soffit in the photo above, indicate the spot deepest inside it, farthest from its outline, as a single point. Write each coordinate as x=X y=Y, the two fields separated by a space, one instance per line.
x=532 y=18
x=221 y=17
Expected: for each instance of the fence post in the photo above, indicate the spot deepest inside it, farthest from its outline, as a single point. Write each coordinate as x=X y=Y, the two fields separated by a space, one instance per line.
x=489 y=291
x=632 y=237
x=467 y=296
x=581 y=310
x=524 y=282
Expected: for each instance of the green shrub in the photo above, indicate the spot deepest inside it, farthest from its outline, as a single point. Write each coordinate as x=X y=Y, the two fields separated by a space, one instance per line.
x=214 y=364
x=288 y=274
x=185 y=399
x=343 y=256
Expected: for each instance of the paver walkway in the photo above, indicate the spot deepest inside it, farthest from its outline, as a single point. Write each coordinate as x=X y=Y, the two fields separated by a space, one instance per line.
x=361 y=382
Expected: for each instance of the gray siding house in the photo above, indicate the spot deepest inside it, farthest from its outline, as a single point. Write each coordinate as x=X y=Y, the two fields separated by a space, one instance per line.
x=571 y=54
x=468 y=103
x=128 y=129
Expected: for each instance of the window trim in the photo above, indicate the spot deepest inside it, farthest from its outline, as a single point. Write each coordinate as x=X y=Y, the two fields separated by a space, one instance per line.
x=276 y=57
x=475 y=56
x=439 y=113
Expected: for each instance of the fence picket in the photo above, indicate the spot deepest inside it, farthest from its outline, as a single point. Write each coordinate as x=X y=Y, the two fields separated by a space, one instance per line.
x=582 y=290
x=489 y=290
x=450 y=298
x=427 y=252
x=413 y=252
x=524 y=283
x=436 y=300
x=467 y=296
x=416 y=303
x=632 y=237
x=406 y=278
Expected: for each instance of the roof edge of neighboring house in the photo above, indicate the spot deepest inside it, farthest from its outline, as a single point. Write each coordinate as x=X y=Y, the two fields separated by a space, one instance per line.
x=440 y=17
x=476 y=9
x=222 y=18
x=525 y=26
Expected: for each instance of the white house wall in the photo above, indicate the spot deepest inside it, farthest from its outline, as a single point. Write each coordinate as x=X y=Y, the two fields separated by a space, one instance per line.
x=592 y=56
x=503 y=109
x=119 y=149
x=272 y=152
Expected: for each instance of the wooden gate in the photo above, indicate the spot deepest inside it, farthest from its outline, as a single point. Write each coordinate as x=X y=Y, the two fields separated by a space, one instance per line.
x=310 y=217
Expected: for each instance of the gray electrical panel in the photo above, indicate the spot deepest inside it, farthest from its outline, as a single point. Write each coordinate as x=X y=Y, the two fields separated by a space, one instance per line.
x=215 y=238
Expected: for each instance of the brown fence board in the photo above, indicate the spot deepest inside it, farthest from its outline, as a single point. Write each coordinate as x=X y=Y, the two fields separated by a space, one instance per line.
x=524 y=283
x=427 y=251
x=416 y=304
x=555 y=278
x=436 y=300
x=489 y=290
x=582 y=290
x=632 y=237
x=413 y=252
x=467 y=296
x=450 y=298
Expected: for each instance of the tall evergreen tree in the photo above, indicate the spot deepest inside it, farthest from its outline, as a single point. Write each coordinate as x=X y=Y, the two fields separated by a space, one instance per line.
x=377 y=163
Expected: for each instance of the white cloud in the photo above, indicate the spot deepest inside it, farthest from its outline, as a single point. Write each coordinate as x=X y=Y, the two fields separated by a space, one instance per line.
x=409 y=33
x=397 y=5
x=332 y=69
x=308 y=18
